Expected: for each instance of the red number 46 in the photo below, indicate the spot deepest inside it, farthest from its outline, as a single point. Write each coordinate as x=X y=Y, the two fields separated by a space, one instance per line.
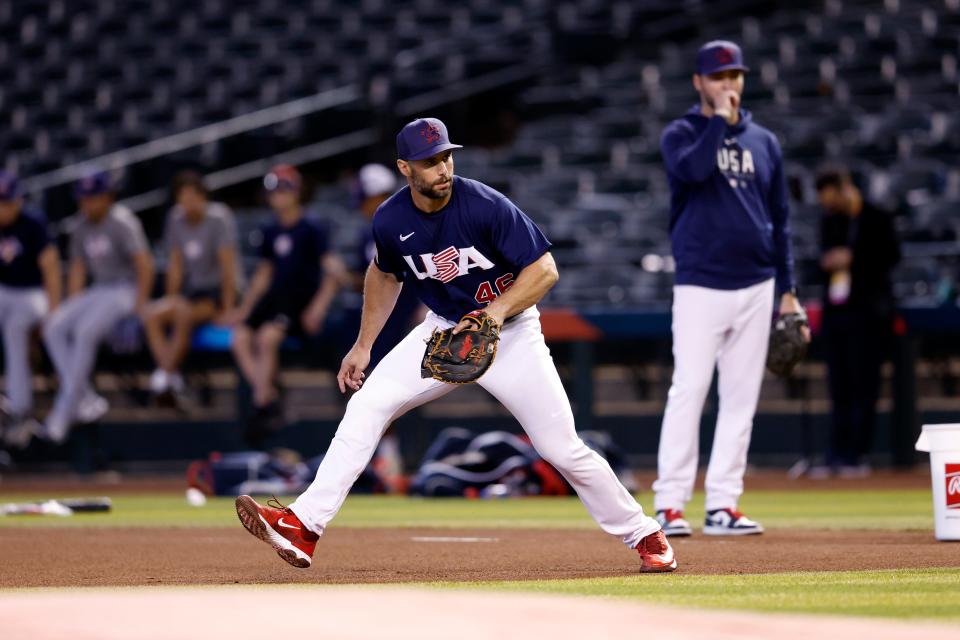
x=486 y=293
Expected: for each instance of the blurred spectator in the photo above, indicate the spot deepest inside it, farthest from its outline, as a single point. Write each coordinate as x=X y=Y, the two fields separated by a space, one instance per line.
x=108 y=245
x=290 y=293
x=30 y=288
x=859 y=250
x=201 y=279
x=374 y=184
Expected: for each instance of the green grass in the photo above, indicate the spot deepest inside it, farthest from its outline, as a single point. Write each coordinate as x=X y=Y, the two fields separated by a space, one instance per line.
x=926 y=594
x=932 y=594
x=887 y=510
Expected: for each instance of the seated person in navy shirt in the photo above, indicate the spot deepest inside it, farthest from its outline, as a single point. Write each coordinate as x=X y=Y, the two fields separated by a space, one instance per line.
x=290 y=293
x=30 y=289
x=374 y=184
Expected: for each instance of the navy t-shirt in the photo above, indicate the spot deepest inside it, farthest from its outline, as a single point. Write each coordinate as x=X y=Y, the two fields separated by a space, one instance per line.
x=462 y=257
x=20 y=246
x=295 y=253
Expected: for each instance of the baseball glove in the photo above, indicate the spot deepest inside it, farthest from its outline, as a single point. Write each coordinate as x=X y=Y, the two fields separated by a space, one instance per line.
x=464 y=357
x=787 y=344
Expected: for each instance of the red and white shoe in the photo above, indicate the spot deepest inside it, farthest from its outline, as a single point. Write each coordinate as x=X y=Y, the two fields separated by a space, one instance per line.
x=279 y=527
x=730 y=522
x=673 y=523
x=656 y=554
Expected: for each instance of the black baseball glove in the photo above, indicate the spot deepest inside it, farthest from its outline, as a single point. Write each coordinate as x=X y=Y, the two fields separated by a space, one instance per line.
x=787 y=343
x=464 y=357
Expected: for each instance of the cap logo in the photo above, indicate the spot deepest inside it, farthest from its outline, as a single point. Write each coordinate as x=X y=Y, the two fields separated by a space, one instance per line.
x=431 y=133
x=724 y=56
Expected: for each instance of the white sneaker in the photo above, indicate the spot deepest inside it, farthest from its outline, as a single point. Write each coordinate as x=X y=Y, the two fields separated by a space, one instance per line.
x=92 y=408
x=159 y=381
x=728 y=522
x=55 y=430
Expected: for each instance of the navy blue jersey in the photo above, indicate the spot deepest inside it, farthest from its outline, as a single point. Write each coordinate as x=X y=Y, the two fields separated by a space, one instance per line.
x=20 y=246
x=462 y=257
x=729 y=209
x=295 y=253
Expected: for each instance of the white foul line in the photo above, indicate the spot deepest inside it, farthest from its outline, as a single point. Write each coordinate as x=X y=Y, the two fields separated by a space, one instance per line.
x=451 y=539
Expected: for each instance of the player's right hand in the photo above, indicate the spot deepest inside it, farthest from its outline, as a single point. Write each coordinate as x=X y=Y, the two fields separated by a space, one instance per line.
x=351 y=369
x=728 y=105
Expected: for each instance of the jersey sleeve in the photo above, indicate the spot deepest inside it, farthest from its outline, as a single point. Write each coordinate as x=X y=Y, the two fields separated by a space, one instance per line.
x=75 y=248
x=516 y=236
x=171 y=239
x=41 y=237
x=322 y=238
x=779 y=206
x=690 y=158
x=386 y=260
x=132 y=236
x=265 y=252
x=227 y=236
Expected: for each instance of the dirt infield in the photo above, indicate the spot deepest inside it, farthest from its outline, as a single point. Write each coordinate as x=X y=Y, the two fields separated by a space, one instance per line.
x=402 y=614
x=45 y=557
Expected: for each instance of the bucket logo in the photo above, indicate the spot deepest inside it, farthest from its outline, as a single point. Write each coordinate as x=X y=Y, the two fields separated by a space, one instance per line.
x=953 y=486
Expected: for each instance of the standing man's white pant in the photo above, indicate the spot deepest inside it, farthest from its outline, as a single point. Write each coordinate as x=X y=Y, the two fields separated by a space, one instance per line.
x=523 y=378
x=729 y=330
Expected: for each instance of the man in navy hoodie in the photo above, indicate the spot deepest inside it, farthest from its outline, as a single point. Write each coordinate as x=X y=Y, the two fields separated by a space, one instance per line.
x=729 y=225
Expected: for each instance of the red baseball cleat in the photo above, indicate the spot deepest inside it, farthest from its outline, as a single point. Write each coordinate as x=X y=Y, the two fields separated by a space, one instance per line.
x=279 y=527
x=656 y=553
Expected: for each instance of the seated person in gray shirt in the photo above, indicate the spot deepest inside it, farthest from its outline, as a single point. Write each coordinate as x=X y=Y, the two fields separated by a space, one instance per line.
x=201 y=279
x=109 y=248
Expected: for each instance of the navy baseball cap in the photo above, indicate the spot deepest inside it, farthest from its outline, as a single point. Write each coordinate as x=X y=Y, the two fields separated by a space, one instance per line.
x=93 y=184
x=719 y=55
x=422 y=139
x=283 y=177
x=9 y=186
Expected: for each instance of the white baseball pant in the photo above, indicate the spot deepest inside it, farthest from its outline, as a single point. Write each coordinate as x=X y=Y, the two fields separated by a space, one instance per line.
x=523 y=378
x=73 y=335
x=729 y=330
x=21 y=309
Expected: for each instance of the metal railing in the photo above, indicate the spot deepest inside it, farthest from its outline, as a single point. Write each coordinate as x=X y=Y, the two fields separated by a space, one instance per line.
x=257 y=168
x=195 y=137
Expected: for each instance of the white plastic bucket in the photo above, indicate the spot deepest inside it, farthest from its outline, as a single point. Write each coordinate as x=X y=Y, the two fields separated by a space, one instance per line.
x=943 y=443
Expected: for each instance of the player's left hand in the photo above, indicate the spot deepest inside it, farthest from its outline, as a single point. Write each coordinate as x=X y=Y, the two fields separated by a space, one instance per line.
x=490 y=311
x=312 y=320
x=790 y=304
x=351 y=369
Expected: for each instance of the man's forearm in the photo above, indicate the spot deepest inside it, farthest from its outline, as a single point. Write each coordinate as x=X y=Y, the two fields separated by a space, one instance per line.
x=259 y=284
x=528 y=289
x=324 y=296
x=228 y=279
x=144 y=268
x=174 y=278
x=76 y=278
x=380 y=292
x=50 y=270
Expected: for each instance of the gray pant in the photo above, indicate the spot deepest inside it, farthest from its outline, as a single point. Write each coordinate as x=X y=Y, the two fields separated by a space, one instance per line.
x=73 y=334
x=20 y=311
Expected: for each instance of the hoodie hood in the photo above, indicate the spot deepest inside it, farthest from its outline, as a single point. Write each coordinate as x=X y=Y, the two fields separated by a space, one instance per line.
x=695 y=116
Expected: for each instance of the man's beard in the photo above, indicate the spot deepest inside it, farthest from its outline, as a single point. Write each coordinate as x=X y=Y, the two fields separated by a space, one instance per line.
x=428 y=190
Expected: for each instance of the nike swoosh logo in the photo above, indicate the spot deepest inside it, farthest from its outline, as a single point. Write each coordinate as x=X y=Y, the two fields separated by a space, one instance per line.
x=404 y=238
x=729 y=140
x=284 y=524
